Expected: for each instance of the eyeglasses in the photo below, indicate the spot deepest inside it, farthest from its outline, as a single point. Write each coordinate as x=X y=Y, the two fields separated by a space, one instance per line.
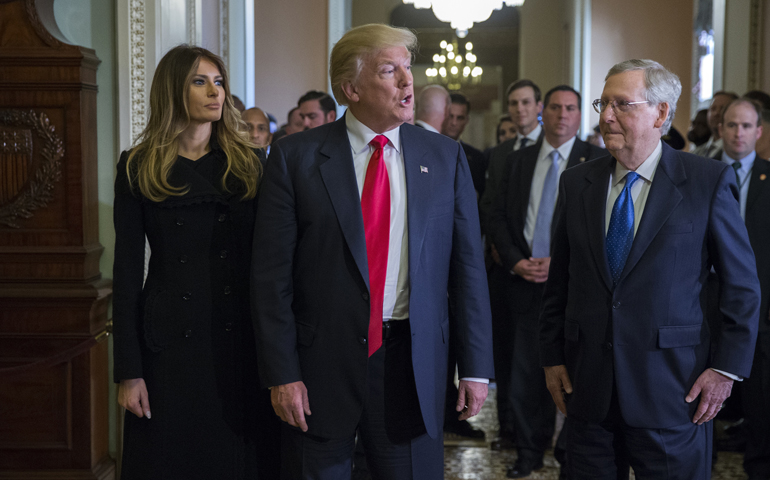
x=618 y=106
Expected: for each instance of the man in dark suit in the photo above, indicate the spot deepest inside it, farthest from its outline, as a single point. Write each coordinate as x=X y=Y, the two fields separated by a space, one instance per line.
x=520 y=227
x=524 y=107
x=740 y=129
x=457 y=118
x=623 y=338
x=365 y=227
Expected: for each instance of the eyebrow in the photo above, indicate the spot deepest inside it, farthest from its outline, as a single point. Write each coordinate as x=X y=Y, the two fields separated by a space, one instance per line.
x=220 y=77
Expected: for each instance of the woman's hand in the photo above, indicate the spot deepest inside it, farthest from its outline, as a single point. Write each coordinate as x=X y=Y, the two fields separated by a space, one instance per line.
x=132 y=395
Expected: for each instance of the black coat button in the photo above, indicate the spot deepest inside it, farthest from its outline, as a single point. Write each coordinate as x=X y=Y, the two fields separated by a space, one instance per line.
x=186 y=296
x=223 y=254
x=362 y=340
x=180 y=221
x=616 y=305
x=607 y=346
x=365 y=296
x=187 y=333
x=227 y=290
x=228 y=327
x=222 y=217
x=183 y=259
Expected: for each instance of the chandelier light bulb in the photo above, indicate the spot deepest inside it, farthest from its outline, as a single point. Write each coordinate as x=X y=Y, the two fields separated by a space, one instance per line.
x=442 y=71
x=442 y=59
x=454 y=70
x=436 y=57
x=459 y=58
x=469 y=46
x=450 y=55
x=466 y=71
x=450 y=47
x=443 y=44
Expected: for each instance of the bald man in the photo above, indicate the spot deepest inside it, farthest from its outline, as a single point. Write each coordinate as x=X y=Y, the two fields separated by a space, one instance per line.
x=259 y=126
x=432 y=106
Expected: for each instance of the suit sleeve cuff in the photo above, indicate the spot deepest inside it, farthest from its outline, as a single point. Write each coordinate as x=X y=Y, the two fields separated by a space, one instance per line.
x=475 y=379
x=729 y=375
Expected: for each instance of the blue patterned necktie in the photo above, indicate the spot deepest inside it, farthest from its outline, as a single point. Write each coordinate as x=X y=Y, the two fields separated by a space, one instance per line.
x=620 y=235
x=541 y=240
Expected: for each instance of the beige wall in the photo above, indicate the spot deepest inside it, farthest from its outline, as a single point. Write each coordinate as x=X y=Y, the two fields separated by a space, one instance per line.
x=373 y=11
x=544 y=54
x=736 y=57
x=660 y=30
x=291 y=50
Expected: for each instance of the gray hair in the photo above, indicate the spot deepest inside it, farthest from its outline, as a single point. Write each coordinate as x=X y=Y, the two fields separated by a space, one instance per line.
x=662 y=85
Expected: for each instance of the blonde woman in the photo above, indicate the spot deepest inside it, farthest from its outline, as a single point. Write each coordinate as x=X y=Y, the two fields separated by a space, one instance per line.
x=184 y=352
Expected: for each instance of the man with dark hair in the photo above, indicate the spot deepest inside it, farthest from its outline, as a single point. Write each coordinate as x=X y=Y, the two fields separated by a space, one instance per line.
x=762 y=98
x=763 y=144
x=316 y=108
x=259 y=126
x=740 y=129
x=454 y=125
x=524 y=106
x=520 y=227
x=714 y=117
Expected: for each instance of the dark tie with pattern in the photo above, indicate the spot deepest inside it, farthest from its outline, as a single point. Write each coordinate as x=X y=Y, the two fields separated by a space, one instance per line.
x=620 y=235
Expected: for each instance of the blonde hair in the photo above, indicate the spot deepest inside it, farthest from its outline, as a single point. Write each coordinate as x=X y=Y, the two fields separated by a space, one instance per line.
x=358 y=44
x=151 y=160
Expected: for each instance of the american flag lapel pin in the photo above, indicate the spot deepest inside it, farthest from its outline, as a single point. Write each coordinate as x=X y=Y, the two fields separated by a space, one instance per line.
x=423 y=169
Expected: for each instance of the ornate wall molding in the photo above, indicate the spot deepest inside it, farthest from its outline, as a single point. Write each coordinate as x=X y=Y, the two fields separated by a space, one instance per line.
x=755 y=44
x=38 y=190
x=224 y=31
x=138 y=53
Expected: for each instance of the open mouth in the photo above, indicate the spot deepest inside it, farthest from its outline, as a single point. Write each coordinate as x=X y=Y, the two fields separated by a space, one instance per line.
x=406 y=100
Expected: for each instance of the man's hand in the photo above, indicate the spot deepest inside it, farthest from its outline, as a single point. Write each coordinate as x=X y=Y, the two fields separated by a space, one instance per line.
x=132 y=395
x=557 y=381
x=291 y=404
x=495 y=255
x=533 y=270
x=713 y=388
x=470 y=398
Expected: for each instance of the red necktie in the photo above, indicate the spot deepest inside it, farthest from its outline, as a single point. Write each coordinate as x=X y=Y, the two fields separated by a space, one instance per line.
x=375 y=206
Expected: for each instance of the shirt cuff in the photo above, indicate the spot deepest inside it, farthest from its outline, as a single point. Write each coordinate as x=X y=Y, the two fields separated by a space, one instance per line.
x=474 y=379
x=729 y=375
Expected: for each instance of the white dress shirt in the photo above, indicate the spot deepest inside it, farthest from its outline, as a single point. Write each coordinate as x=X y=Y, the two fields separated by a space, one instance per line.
x=531 y=137
x=538 y=179
x=427 y=126
x=395 y=304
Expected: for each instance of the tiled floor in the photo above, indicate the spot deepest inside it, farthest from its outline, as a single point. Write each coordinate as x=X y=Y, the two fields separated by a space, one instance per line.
x=469 y=459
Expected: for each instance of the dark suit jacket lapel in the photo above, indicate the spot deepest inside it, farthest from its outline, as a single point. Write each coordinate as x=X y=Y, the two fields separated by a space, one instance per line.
x=419 y=186
x=578 y=154
x=339 y=177
x=756 y=182
x=594 y=205
x=663 y=197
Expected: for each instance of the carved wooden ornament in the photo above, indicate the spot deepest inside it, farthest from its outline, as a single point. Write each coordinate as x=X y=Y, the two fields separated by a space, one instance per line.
x=22 y=191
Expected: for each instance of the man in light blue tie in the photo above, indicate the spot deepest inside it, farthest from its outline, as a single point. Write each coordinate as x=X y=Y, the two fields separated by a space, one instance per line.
x=623 y=338
x=520 y=226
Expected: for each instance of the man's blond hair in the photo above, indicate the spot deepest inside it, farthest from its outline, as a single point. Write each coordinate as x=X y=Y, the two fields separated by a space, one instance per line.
x=358 y=44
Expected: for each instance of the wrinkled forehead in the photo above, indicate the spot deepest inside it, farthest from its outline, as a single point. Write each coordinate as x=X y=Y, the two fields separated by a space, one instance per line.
x=388 y=55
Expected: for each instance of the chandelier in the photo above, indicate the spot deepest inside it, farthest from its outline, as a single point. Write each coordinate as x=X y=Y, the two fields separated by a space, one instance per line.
x=453 y=69
x=462 y=14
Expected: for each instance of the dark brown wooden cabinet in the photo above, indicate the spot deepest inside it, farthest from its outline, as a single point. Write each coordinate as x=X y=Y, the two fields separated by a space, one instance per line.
x=53 y=300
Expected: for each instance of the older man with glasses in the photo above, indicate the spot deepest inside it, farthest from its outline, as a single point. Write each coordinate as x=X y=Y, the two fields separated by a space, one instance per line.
x=623 y=338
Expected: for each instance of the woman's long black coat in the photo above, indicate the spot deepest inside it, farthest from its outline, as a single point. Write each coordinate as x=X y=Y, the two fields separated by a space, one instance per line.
x=187 y=331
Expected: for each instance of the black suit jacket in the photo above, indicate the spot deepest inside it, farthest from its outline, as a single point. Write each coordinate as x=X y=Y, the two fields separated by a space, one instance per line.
x=496 y=170
x=758 y=226
x=477 y=163
x=310 y=279
x=646 y=336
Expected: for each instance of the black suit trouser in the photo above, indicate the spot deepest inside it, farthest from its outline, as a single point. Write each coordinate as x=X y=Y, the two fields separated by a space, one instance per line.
x=391 y=428
x=502 y=345
x=756 y=399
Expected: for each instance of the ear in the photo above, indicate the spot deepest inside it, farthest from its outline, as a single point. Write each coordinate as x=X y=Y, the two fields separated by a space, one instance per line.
x=662 y=115
x=759 y=132
x=721 y=129
x=540 y=106
x=331 y=116
x=351 y=92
